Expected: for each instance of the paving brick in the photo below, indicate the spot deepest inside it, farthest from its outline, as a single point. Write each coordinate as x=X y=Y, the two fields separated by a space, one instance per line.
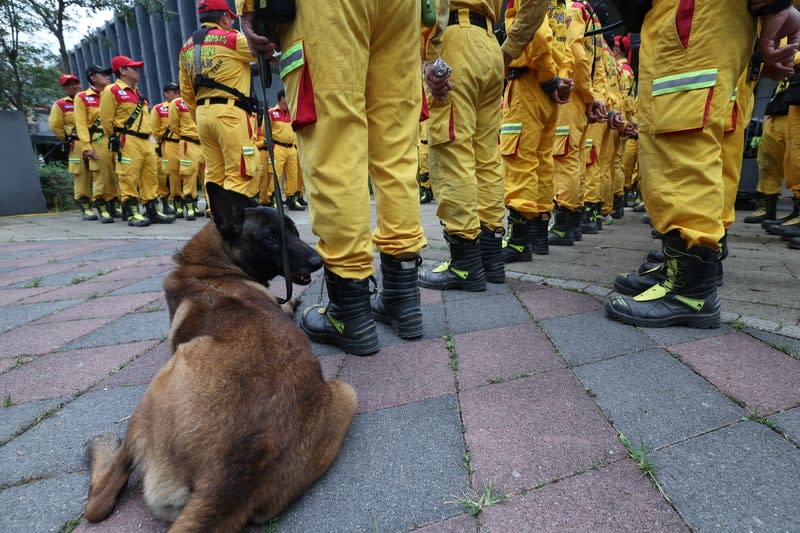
x=19 y=417
x=11 y=296
x=493 y=355
x=762 y=378
x=139 y=371
x=547 y=302
x=471 y=313
x=331 y=365
x=84 y=290
x=652 y=398
x=43 y=338
x=130 y=328
x=616 y=497
x=526 y=432
x=398 y=467
x=789 y=423
x=400 y=374
x=43 y=506
x=777 y=341
x=55 y=445
x=67 y=373
x=152 y=284
x=739 y=478
x=680 y=334
x=12 y=316
x=104 y=307
x=80 y=274
x=458 y=524
x=599 y=337
x=34 y=272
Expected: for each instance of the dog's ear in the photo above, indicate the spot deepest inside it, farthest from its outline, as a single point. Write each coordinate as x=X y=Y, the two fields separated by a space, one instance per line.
x=228 y=208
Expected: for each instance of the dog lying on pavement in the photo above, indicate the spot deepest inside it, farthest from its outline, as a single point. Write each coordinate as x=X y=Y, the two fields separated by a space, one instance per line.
x=239 y=422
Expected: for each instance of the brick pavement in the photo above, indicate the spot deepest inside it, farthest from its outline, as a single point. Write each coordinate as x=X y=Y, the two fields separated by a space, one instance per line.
x=524 y=388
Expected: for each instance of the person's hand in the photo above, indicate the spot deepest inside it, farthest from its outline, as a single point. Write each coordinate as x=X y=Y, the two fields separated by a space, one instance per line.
x=89 y=154
x=259 y=44
x=631 y=129
x=438 y=86
x=596 y=111
x=564 y=90
x=616 y=121
x=779 y=60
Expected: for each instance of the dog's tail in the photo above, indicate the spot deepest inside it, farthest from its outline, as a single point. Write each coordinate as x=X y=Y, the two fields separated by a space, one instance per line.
x=110 y=469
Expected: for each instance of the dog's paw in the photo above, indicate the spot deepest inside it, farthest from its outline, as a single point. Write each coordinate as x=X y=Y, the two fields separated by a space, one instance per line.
x=291 y=306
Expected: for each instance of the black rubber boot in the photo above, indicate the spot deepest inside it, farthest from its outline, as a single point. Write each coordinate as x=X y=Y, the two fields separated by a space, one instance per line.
x=130 y=212
x=768 y=224
x=102 y=212
x=464 y=270
x=518 y=245
x=687 y=296
x=577 y=229
x=293 y=203
x=794 y=243
x=619 y=206
x=562 y=233
x=87 y=213
x=302 y=200
x=425 y=191
x=167 y=207
x=766 y=205
x=538 y=229
x=190 y=208
x=114 y=208
x=789 y=225
x=398 y=304
x=633 y=283
x=180 y=208
x=155 y=216
x=589 y=219
x=494 y=265
x=347 y=320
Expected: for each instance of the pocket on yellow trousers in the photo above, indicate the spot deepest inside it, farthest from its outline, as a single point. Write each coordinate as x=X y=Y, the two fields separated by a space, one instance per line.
x=441 y=122
x=561 y=142
x=249 y=164
x=510 y=133
x=296 y=77
x=681 y=102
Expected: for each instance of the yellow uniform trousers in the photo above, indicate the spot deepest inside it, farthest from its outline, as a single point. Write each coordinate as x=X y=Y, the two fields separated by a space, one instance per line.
x=137 y=169
x=360 y=119
x=287 y=163
x=82 y=179
x=570 y=159
x=266 y=185
x=462 y=134
x=101 y=170
x=792 y=170
x=606 y=158
x=684 y=95
x=169 y=179
x=617 y=171
x=594 y=186
x=773 y=157
x=526 y=144
x=630 y=162
x=229 y=152
x=190 y=156
x=741 y=109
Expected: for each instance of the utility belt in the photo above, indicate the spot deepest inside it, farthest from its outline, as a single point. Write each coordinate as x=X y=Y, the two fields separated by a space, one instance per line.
x=247 y=107
x=170 y=140
x=95 y=129
x=285 y=145
x=517 y=72
x=132 y=133
x=474 y=18
x=192 y=140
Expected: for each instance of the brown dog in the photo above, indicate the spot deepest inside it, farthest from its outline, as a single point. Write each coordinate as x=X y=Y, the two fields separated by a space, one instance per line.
x=239 y=422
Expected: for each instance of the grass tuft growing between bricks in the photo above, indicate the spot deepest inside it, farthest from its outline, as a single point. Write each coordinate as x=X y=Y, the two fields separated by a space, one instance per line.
x=35 y=282
x=474 y=502
x=763 y=420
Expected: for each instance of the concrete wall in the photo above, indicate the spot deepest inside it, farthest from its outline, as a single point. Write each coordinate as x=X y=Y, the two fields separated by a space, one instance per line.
x=19 y=177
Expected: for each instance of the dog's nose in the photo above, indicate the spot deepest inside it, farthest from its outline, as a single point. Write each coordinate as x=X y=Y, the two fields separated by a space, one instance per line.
x=315 y=262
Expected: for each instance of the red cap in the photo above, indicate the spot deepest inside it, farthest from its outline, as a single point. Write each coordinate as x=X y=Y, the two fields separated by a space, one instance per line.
x=215 y=5
x=68 y=78
x=117 y=62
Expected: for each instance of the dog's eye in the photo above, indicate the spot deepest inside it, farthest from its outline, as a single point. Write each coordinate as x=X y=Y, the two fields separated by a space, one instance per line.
x=270 y=238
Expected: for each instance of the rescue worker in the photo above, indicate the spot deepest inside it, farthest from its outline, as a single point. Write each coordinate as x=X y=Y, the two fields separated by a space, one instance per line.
x=423 y=174
x=266 y=185
x=169 y=179
x=538 y=82
x=220 y=96
x=190 y=154
x=685 y=90
x=286 y=159
x=94 y=144
x=569 y=156
x=462 y=135
x=360 y=120
x=62 y=123
x=124 y=119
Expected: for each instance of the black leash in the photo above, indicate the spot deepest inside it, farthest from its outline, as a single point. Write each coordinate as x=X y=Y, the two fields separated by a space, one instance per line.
x=265 y=74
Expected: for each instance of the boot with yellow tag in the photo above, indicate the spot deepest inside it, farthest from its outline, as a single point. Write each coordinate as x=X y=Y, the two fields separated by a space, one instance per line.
x=687 y=295
x=347 y=320
x=463 y=271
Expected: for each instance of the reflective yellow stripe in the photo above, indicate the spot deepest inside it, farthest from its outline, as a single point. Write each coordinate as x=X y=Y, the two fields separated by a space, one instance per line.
x=513 y=127
x=561 y=131
x=292 y=58
x=697 y=79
